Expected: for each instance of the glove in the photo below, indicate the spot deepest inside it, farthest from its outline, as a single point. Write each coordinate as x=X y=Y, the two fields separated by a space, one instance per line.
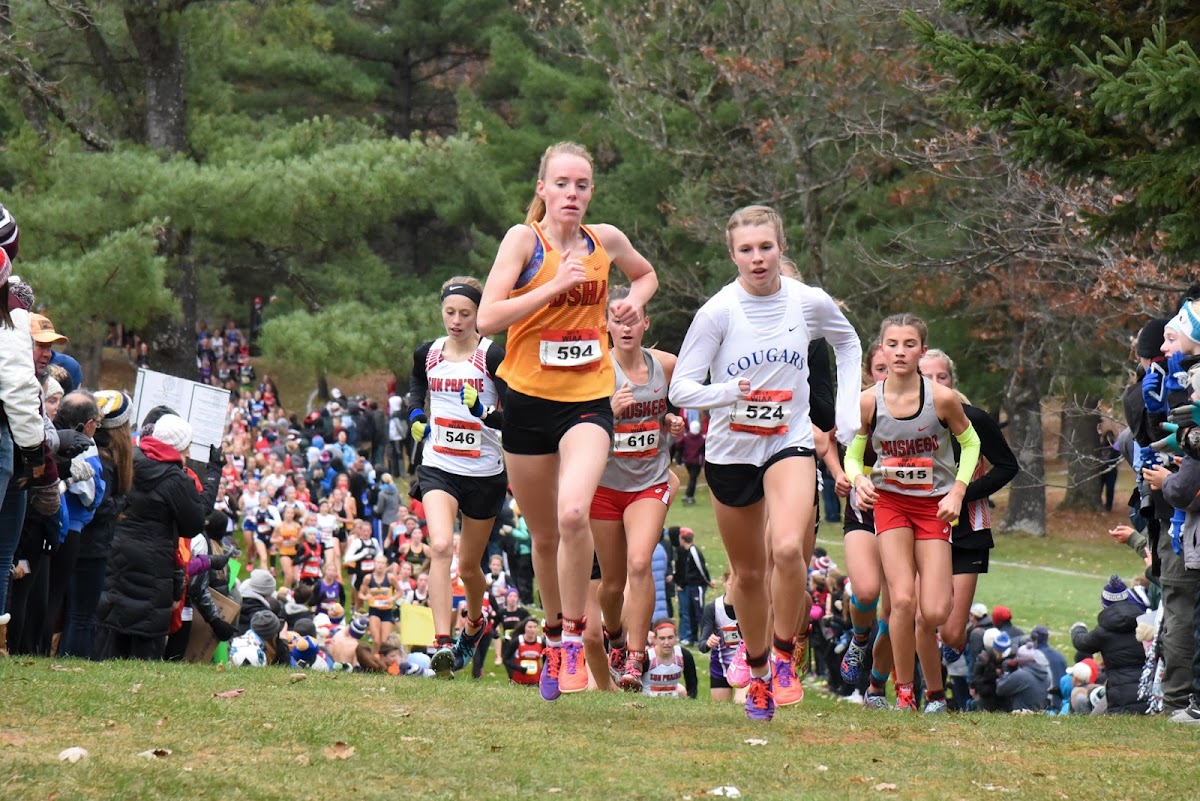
x=81 y=470
x=470 y=398
x=1079 y=624
x=418 y=424
x=1185 y=416
x=222 y=629
x=1169 y=443
x=219 y=562
x=1177 y=521
x=33 y=464
x=216 y=458
x=45 y=500
x=72 y=443
x=1153 y=392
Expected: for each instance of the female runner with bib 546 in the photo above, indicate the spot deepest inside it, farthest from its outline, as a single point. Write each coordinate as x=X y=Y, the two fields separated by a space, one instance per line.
x=549 y=288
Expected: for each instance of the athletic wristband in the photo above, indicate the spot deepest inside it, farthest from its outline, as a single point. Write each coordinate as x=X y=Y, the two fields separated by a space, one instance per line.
x=417 y=416
x=855 y=452
x=968 y=458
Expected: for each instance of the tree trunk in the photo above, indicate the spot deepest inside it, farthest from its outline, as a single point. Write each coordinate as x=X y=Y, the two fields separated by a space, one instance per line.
x=154 y=29
x=1080 y=449
x=155 y=34
x=1027 y=493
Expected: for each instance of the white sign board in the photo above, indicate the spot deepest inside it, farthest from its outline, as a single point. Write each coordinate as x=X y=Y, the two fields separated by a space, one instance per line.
x=205 y=407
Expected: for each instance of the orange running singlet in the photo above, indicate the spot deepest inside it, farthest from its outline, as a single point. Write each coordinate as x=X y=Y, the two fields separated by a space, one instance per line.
x=560 y=352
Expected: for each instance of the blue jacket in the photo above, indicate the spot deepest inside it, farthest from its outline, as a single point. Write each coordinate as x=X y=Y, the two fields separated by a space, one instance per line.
x=83 y=498
x=658 y=567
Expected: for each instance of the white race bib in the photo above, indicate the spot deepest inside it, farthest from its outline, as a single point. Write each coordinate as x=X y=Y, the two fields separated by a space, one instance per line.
x=907 y=473
x=571 y=349
x=636 y=440
x=457 y=437
x=765 y=412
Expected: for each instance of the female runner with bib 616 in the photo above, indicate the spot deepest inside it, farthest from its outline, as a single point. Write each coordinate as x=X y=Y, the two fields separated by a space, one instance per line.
x=751 y=341
x=549 y=288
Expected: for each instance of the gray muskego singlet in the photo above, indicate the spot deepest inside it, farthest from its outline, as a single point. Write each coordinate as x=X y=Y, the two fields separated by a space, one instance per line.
x=640 y=458
x=915 y=456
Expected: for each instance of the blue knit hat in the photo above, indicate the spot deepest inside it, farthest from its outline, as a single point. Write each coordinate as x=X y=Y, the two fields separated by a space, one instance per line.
x=1114 y=591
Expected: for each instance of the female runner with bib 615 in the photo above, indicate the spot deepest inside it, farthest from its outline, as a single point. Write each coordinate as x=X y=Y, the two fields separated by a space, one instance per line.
x=549 y=288
x=915 y=490
x=751 y=341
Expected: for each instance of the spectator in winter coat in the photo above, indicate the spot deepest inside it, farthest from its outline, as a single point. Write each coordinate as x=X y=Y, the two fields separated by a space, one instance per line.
x=1025 y=679
x=659 y=566
x=1040 y=636
x=144 y=579
x=1115 y=639
x=1002 y=619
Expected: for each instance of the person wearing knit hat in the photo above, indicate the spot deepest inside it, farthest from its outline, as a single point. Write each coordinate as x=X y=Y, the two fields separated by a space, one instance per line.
x=1115 y=638
x=358 y=628
x=143 y=584
x=266 y=625
x=979 y=610
x=115 y=406
x=1150 y=338
x=173 y=431
x=260 y=583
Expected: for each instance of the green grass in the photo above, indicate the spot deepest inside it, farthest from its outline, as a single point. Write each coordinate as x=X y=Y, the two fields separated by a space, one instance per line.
x=415 y=738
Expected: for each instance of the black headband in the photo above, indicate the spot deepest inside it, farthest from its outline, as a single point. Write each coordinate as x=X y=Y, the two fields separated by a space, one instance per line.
x=469 y=292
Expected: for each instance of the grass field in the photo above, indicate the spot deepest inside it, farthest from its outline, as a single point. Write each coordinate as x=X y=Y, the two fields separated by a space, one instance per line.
x=413 y=738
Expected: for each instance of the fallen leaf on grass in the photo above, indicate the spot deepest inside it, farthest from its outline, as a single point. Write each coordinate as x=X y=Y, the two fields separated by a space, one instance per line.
x=884 y=787
x=553 y=789
x=72 y=755
x=339 y=750
x=268 y=726
x=156 y=753
x=726 y=790
x=496 y=748
x=634 y=705
x=754 y=741
x=296 y=677
x=162 y=721
x=302 y=759
x=401 y=711
x=135 y=689
x=228 y=694
x=822 y=768
x=25 y=662
x=64 y=669
x=108 y=724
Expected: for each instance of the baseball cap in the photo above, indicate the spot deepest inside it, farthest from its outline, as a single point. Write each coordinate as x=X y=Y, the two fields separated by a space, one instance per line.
x=43 y=330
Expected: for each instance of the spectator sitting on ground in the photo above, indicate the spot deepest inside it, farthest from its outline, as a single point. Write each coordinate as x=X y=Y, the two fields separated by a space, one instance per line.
x=1040 y=637
x=1025 y=678
x=1002 y=619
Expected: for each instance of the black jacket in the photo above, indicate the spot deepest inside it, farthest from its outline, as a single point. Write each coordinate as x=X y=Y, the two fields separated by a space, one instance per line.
x=1115 y=638
x=143 y=581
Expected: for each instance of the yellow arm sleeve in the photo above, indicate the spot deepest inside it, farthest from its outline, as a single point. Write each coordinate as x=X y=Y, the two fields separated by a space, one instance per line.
x=968 y=458
x=854 y=456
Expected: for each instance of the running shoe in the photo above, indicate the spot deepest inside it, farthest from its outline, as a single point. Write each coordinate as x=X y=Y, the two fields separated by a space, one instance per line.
x=905 y=700
x=785 y=686
x=572 y=675
x=616 y=663
x=935 y=707
x=949 y=655
x=760 y=702
x=442 y=662
x=548 y=683
x=852 y=661
x=876 y=702
x=631 y=675
x=1189 y=714
x=464 y=646
x=738 y=672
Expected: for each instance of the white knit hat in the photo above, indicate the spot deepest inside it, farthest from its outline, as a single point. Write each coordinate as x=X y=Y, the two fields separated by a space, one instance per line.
x=173 y=430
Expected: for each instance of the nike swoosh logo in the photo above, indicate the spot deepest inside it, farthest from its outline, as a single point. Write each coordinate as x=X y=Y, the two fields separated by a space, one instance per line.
x=586 y=416
x=793 y=328
x=921 y=428
x=658 y=390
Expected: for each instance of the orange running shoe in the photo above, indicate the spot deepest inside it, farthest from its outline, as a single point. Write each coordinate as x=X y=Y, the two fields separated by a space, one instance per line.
x=573 y=676
x=905 y=700
x=785 y=685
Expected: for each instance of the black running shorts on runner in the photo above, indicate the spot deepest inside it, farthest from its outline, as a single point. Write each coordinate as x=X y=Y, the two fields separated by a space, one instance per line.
x=534 y=426
x=718 y=682
x=595 y=567
x=854 y=520
x=969 y=561
x=740 y=485
x=478 y=498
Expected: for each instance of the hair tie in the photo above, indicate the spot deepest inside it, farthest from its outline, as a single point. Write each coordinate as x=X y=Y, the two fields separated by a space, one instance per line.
x=469 y=292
